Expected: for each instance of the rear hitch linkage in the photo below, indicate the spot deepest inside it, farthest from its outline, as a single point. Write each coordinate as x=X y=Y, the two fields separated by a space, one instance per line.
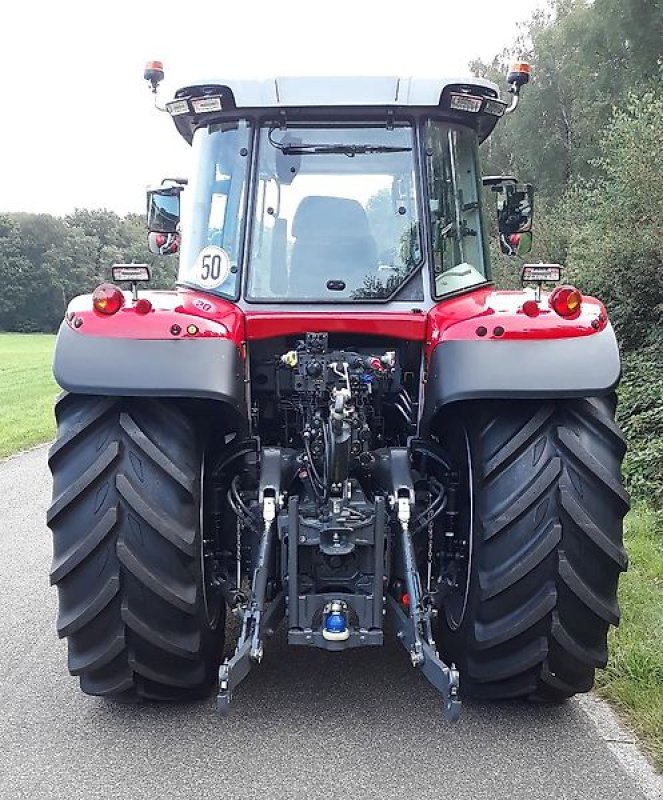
x=257 y=620
x=413 y=626
x=414 y=630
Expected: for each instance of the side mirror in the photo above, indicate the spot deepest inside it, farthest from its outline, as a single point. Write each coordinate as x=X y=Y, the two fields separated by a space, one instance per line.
x=163 y=209
x=515 y=211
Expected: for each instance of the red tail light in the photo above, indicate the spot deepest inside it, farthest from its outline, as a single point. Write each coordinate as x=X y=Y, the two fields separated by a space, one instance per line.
x=531 y=308
x=142 y=306
x=566 y=301
x=107 y=299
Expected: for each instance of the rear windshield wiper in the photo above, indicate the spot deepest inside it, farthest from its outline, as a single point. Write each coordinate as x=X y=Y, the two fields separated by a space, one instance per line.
x=342 y=149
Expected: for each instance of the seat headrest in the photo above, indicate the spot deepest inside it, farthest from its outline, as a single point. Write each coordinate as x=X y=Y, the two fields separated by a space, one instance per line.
x=330 y=215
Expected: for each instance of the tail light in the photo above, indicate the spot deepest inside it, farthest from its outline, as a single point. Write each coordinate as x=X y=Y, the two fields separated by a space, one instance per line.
x=566 y=301
x=107 y=299
x=142 y=306
x=531 y=308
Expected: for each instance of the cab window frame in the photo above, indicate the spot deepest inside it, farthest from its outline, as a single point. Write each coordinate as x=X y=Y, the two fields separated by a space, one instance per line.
x=344 y=121
x=242 y=228
x=483 y=232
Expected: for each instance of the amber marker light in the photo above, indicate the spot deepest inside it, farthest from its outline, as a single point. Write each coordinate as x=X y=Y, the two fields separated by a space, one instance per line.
x=519 y=73
x=566 y=301
x=107 y=299
x=154 y=73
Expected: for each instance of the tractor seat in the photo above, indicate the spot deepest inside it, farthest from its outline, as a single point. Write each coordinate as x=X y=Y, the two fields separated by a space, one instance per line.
x=333 y=241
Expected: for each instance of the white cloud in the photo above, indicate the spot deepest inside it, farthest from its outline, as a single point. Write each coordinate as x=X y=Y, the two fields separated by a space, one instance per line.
x=77 y=127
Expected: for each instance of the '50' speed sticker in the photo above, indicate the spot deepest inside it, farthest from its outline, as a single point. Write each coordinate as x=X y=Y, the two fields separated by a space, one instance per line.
x=212 y=267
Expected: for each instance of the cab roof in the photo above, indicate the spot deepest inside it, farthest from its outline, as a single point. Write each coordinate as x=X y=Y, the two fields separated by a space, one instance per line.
x=330 y=93
x=342 y=91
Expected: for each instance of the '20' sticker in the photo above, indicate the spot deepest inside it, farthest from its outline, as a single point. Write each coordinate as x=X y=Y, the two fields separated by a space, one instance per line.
x=212 y=267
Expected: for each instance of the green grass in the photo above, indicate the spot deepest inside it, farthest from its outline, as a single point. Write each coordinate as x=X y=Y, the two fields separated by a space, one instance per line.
x=633 y=681
x=27 y=391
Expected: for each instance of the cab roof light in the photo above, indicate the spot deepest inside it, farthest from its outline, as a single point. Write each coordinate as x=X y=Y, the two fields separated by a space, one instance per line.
x=203 y=105
x=465 y=102
x=496 y=108
x=177 y=107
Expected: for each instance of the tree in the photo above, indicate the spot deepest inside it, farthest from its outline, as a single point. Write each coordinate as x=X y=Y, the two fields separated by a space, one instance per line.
x=45 y=261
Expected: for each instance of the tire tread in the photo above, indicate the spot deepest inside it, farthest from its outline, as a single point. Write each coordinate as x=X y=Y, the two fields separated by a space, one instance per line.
x=546 y=565
x=126 y=550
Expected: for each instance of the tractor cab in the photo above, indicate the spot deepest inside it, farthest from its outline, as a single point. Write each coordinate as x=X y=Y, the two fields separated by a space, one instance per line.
x=332 y=190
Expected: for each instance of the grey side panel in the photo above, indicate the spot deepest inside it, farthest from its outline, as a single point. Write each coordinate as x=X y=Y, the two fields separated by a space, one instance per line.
x=201 y=368
x=583 y=366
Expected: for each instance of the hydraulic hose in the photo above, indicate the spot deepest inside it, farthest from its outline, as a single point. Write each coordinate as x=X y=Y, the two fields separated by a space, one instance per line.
x=433 y=451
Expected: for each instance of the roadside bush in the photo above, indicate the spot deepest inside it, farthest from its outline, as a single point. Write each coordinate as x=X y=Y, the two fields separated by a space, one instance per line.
x=641 y=417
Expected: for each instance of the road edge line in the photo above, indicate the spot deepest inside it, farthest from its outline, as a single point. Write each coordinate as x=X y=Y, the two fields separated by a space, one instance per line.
x=623 y=745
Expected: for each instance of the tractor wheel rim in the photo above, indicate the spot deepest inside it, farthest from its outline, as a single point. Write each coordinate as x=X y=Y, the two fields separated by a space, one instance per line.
x=463 y=592
x=212 y=598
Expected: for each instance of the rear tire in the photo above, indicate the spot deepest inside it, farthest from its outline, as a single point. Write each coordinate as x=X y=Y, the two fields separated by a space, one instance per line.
x=127 y=550
x=546 y=548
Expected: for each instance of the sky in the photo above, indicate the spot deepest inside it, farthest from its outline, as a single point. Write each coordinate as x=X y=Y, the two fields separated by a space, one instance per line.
x=78 y=128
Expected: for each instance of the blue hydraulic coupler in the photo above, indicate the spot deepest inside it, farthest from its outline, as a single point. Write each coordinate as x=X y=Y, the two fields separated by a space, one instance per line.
x=335 y=622
x=336 y=625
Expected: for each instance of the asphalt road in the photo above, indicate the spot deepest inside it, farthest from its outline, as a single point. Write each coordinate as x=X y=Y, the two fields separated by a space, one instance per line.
x=305 y=724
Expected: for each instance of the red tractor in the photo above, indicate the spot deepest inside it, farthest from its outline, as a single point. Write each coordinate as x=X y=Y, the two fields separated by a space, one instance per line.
x=334 y=420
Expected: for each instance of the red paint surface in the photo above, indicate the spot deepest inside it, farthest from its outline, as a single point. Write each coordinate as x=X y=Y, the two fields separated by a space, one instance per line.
x=212 y=316
x=397 y=324
x=460 y=317
x=452 y=319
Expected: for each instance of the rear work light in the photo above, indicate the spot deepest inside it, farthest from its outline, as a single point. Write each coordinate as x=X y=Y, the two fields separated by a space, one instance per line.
x=497 y=108
x=465 y=102
x=107 y=299
x=566 y=301
x=130 y=272
x=203 y=105
x=541 y=273
x=177 y=107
